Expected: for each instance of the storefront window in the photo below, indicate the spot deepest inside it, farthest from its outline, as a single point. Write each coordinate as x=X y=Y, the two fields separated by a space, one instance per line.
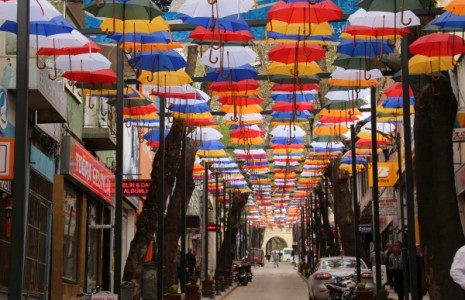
x=93 y=247
x=70 y=242
x=10 y=43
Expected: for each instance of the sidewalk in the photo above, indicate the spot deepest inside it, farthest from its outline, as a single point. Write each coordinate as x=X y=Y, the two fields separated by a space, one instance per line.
x=223 y=294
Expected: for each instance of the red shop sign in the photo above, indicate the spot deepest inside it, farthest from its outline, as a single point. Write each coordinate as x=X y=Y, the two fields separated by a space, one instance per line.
x=85 y=168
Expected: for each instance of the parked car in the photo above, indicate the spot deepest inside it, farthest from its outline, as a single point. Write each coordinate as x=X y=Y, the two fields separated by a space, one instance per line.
x=329 y=267
x=256 y=256
x=286 y=254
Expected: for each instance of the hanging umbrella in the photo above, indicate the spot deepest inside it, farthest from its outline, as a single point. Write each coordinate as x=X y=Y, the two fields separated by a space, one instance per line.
x=242 y=109
x=235 y=100
x=233 y=22
x=132 y=40
x=456 y=7
x=356 y=31
x=365 y=48
x=291 y=97
x=450 y=21
x=124 y=10
x=155 y=61
x=357 y=62
x=292 y=107
x=242 y=85
x=438 y=44
x=58 y=41
x=214 y=9
x=202 y=34
x=98 y=76
x=165 y=78
x=39 y=10
x=301 y=12
x=276 y=37
x=344 y=104
x=284 y=131
x=305 y=68
x=205 y=134
x=131 y=26
x=228 y=56
x=240 y=119
x=153 y=137
x=348 y=94
x=82 y=62
x=89 y=47
x=288 y=53
x=57 y=25
x=190 y=108
x=420 y=64
x=390 y=6
x=300 y=29
x=396 y=90
x=232 y=74
x=352 y=74
x=383 y=19
x=286 y=87
x=285 y=117
x=302 y=79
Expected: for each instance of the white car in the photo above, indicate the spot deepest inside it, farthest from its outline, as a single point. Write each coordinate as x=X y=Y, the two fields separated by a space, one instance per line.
x=341 y=266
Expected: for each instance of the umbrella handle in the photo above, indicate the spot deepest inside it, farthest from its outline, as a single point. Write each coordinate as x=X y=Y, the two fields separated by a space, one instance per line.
x=128 y=124
x=54 y=76
x=434 y=91
x=107 y=30
x=211 y=2
x=100 y=4
x=402 y=15
x=365 y=74
x=38 y=63
x=150 y=78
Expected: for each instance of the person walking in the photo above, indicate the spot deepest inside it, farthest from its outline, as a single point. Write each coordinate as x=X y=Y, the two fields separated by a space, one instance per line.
x=396 y=265
x=457 y=270
x=275 y=257
x=387 y=253
x=191 y=262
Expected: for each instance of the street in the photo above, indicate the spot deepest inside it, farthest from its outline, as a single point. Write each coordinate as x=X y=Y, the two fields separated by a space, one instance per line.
x=272 y=283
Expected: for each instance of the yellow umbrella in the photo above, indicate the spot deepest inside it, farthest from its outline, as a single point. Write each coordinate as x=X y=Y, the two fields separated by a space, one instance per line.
x=138 y=26
x=305 y=68
x=247 y=141
x=212 y=153
x=249 y=109
x=236 y=93
x=340 y=112
x=348 y=36
x=180 y=115
x=300 y=28
x=286 y=122
x=331 y=129
x=287 y=150
x=165 y=78
x=456 y=7
x=398 y=111
x=348 y=168
x=420 y=64
x=353 y=83
x=366 y=135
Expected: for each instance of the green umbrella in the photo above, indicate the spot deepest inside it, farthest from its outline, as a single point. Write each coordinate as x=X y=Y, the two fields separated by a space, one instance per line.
x=291 y=79
x=337 y=104
x=357 y=63
x=124 y=10
x=326 y=138
x=392 y=5
x=418 y=78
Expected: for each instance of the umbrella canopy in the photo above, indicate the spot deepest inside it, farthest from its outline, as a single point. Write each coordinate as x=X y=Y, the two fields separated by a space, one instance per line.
x=352 y=74
x=239 y=100
x=206 y=34
x=289 y=53
x=233 y=22
x=242 y=109
x=97 y=76
x=131 y=26
x=205 y=134
x=89 y=47
x=220 y=8
x=420 y=64
x=287 y=130
x=456 y=7
x=165 y=78
x=300 y=29
x=304 y=12
x=365 y=48
x=228 y=56
x=357 y=62
x=227 y=86
x=40 y=10
x=304 y=68
x=124 y=10
x=390 y=6
x=83 y=62
x=383 y=19
x=155 y=61
x=438 y=44
x=232 y=74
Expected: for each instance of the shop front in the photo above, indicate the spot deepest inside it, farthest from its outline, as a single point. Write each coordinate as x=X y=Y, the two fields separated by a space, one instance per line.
x=82 y=229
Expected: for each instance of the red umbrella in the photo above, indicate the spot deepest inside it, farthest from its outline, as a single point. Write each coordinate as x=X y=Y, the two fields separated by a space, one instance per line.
x=243 y=85
x=286 y=106
x=304 y=12
x=375 y=31
x=90 y=47
x=238 y=100
x=206 y=34
x=339 y=119
x=289 y=87
x=291 y=53
x=247 y=132
x=99 y=76
x=395 y=90
x=438 y=44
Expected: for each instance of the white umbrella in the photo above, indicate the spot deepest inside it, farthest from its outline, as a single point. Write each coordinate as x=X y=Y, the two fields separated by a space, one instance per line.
x=354 y=74
x=228 y=56
x=205 y=134
x=254 y=152
x=243 y=117
x=381 y=127
x=288 y=130
x=222 y=8
x=39 y=10
x=382 y=19
x=283 y=163
x=348 y=95
x=58 y=41
x=84 y=62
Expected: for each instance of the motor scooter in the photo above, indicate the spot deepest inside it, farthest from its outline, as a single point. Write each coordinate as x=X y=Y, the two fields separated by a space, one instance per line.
x=342 y=288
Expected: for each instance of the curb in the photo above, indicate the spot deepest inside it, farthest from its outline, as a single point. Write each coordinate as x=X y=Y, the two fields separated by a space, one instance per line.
x=224 y=294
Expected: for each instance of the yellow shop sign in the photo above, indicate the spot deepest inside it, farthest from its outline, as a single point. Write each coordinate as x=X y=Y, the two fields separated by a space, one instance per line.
x=387 y=174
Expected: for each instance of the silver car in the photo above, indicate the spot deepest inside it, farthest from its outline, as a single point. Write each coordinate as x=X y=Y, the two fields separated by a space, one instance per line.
x=341 y=266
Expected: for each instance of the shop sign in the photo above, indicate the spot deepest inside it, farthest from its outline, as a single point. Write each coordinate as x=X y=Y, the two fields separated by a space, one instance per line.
x=388 y=206
x=135 y=187
x=387 y=174
x=460 y=180
x=6 y=158
x=365 y=228
x=85 y=168
x=104 y=296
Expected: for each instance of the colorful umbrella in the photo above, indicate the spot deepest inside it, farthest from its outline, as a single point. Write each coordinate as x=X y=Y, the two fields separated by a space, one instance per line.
x=365 y=48
x=288 y=53
x=420 y=64
x=214 y=9
x=228 y=56
x=304 y=12
x=203 y=34
x=305 y=68
x=124 y=10
x=232 y=74
x=438 y=44
x=155 y=61
x=97 y=76
x=165 y=78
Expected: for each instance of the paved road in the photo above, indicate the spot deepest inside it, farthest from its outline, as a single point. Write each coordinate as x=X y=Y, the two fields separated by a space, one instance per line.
x=272 y=284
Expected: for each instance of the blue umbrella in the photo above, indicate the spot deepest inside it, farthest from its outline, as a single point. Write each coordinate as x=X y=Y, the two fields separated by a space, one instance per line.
x=448 y=20
x=285 y=140
x=358 y=160
x=190 y=108
x=156 y=61
x=289 y=97
x=231 y=23
x=56 y=25
x=232 y=74
x=395 y=102
x=142 y=38
x=365 y=48
x=211 y=145
x=301 y=115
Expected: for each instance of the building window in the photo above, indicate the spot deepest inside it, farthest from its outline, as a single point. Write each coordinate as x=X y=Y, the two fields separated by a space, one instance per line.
x=94 y=241
x=70 y=241
x=10 y=43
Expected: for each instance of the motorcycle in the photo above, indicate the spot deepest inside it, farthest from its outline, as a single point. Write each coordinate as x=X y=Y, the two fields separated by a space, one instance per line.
x=243 y=273
x=341 y=288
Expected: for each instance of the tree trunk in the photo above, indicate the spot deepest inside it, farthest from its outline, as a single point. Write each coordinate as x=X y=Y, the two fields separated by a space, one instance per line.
x=441 y=229
x=147 y=222
x=173 y=215
x=345 y=212
x=234 y=218
x=327 y=240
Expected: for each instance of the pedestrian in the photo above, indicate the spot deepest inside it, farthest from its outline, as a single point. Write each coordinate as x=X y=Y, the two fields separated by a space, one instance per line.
x=373 y=258
x=268 y=255
x=191 y=262
x=396 y=265
x=275 y=257
x=421 y=281
x=387 y=253
x=457 y=270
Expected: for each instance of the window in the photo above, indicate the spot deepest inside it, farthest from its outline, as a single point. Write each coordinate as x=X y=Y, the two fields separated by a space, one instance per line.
x=10 y=43
x=70 y=241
